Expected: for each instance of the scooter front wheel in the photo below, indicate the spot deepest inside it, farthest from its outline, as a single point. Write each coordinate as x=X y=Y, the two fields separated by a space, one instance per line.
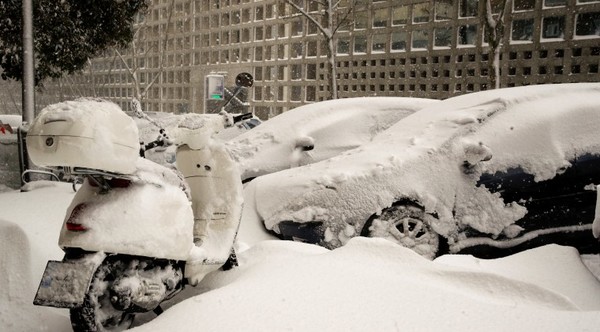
x=97 y=312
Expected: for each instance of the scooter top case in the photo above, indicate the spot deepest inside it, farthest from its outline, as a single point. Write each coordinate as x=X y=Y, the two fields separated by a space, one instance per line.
x=87 y=133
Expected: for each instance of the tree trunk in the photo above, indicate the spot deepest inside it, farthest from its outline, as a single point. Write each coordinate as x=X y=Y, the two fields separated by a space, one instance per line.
x=331 y=66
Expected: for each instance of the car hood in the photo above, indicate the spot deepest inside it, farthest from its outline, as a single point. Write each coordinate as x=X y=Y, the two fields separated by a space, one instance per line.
x=330 y=127
x=421 y=158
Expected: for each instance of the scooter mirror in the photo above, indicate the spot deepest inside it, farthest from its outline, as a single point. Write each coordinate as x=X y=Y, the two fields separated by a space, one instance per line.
x=244 y=80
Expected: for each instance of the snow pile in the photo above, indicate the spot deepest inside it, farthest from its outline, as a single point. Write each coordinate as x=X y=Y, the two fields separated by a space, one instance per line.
x=28 y=239
x=373 y=285
x=544 y=267
x=16 y=310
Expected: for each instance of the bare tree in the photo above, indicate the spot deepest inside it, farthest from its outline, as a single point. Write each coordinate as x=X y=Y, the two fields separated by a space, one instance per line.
x=328 y=16
x=492 y=20
x=136 y=52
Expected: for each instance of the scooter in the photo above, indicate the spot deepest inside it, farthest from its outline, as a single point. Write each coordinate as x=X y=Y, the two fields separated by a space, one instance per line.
x=136 y=232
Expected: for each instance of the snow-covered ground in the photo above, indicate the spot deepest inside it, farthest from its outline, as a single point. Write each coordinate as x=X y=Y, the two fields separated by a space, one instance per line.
x=369 y=284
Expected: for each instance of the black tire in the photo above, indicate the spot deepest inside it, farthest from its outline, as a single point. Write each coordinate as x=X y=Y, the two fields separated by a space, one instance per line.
x=406 y=224
x=97 y=312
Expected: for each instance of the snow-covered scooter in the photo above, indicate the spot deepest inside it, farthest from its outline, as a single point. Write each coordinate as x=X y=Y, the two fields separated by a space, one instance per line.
x=136 y=232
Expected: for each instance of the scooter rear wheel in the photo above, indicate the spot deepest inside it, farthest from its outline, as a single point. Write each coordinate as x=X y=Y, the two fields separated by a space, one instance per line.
x=97 y=312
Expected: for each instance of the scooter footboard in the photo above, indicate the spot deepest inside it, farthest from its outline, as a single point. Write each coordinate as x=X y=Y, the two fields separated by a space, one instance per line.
x=65 y=283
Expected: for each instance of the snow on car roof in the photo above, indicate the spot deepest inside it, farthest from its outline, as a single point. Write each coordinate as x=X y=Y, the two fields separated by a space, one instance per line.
x=335 y=126
x=418 y=157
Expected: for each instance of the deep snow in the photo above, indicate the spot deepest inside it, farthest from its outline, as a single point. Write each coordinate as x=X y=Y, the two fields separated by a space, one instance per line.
x=538 y=128
x=369 y=284
x=328 y=127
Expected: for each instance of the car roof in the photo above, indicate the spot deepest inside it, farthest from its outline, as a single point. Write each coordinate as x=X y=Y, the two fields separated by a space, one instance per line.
x=335 y=126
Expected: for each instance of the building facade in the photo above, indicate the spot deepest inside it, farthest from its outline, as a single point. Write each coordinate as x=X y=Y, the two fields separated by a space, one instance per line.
x=418 y=48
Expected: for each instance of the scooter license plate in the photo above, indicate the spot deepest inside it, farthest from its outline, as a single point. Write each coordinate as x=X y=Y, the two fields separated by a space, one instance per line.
x=64 y=284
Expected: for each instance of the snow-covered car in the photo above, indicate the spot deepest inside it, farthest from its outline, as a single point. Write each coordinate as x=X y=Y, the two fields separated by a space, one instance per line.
x=488 y=173
x=239 y=128
x=316 y=132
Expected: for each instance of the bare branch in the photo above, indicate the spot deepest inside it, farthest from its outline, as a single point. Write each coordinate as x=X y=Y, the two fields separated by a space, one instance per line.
x=131 y=72
x=310 y=18
x=149 y=85
x=344 y=19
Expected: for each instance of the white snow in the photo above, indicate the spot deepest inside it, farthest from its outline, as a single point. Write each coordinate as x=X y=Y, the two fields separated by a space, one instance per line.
x=366 y=285
x=166 y=207
x=420 y=158
x=11 y=119
x=86 y=133
x=369 y=284
x=332 y=127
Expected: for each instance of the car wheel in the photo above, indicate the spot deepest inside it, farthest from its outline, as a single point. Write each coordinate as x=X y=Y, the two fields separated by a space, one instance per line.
x=406 y=224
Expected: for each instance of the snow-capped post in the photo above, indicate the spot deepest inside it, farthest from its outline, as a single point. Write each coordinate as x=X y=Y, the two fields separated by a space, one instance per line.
x=492 y=22
x=334 y=17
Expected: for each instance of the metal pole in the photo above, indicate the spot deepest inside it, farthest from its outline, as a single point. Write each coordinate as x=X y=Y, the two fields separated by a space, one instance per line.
x=28 y=76
x=23 y=156
x=27 y=87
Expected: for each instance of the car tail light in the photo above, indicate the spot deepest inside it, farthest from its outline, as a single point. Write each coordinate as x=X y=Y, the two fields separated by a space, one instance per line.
x=73 y=224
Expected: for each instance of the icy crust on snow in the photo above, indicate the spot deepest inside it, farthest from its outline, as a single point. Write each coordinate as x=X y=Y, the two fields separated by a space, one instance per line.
x=125 y=220
x=422 y=157
x=331 y=127
x=318 y=291
x=90 y=133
